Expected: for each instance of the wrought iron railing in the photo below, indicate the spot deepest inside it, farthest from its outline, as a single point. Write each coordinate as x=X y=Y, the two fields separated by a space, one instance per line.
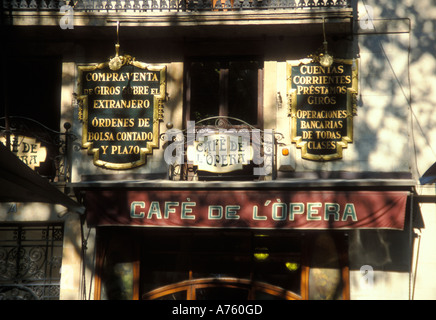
x=262 y=143
x=56 y=166
x=30 y=262
x=169 y=5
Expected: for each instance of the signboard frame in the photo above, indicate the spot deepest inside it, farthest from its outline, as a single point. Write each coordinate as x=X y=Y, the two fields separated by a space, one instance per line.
x=157 y=113
x=294 y=99
x=28 y=149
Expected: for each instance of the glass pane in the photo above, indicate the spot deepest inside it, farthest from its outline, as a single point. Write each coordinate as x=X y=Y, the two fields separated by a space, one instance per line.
x=205 y=81
x=46 y=73
x=162 y=269
x=220 y=242
x=220 y=266
x=325 y=284
x=169 y=258
x=221 y=255
x=277 y=261
x=283 y=271
x=221 y=293
x=118 y=281
x=243 y=90
x=117 y=273
x=325 y=281
x=164 y=259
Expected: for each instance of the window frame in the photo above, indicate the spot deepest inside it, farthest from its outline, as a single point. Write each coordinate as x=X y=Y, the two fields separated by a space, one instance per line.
x=223 y=85
x=340 y=239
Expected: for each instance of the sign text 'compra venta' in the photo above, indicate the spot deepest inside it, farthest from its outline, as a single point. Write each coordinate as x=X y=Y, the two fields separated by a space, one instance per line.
x=120 y=111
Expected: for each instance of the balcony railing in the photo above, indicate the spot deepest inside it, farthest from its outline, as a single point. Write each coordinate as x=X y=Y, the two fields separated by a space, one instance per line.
x=137 y=6
x=58 y=145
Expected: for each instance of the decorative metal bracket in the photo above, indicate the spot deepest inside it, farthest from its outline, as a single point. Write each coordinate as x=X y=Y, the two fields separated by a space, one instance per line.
x=57 y=166
x=214 y=126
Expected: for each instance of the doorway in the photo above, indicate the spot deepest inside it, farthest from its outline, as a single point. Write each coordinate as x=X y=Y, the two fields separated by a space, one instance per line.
x=172 y=264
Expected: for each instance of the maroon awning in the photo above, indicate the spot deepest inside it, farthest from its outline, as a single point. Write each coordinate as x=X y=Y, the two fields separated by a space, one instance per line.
x=252 y=209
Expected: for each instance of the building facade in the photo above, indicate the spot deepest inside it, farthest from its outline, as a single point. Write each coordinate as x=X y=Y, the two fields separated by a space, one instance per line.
x=217 y=149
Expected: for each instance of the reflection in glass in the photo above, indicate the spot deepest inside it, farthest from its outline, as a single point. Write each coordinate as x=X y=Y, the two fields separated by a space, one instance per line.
x=243 y=87
x=205 y=98
x=118 y=283
x=325 y=281
x=117 y=270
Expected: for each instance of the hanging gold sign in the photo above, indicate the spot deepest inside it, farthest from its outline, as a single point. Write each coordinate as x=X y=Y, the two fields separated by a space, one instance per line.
x=120 y=107
x=322 y=103
x=27 y=149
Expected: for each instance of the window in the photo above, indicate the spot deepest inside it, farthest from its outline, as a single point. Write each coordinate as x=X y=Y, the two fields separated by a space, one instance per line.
x=33 y=89
x=30 y=262
x=31 y=93
x=328 y=260
x=223 y=93
x=241 y=265
x=224 y=87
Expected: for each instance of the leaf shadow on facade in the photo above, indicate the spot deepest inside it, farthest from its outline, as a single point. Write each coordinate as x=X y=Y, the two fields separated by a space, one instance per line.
x=396 y=96
x=372 y=136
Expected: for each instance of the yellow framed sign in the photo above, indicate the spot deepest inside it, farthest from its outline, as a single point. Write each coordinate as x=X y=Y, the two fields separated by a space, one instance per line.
x=120 y=109
x=322 y=104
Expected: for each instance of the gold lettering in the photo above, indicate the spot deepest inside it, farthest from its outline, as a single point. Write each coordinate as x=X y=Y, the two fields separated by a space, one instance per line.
x=317 y=124
x=117 y=77
x=120 y=104
x=321 y=100
x=100 y=136
x=134 y=136
x=125 y=149
x=324 y=114
x=144 y=122
x=319 y=145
